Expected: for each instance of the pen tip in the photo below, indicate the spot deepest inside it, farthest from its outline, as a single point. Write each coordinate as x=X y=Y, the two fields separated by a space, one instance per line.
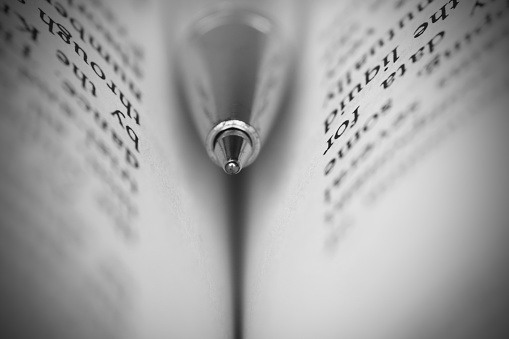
x=232 y=167
x=232 y=150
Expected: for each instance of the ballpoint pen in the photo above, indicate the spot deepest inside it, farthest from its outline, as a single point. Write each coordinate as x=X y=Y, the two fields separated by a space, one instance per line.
x=233 y=68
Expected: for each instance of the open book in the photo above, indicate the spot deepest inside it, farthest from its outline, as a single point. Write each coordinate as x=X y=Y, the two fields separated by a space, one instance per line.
x=378 y=208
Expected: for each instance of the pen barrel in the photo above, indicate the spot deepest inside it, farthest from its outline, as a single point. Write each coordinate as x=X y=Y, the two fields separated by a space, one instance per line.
x=234 y=67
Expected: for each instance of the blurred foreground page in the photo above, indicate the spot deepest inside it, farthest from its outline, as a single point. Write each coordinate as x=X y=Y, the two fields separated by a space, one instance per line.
x=379 y=208
x=113 y=223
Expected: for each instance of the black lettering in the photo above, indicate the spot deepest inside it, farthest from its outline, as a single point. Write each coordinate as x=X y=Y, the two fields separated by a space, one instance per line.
x=417 y=55
x=390 y=80
x=349 y=144
x=355 y=116
x=135 y=91
x=112 y=87
x=330 y=119
x=330 y=166
x=329 y=144
x=395 y=57
x=60 y=9
x=100 y=121
x=343 y=126
x=369 y=74
x=63 y=58
x=361 y=62
x=129 y=107
x=440 y=14
x=77 y=50
x=370 y=122
x=27 y=28
x=84 y=80
x=454 y=3
x=133 y=137
x=79 y=28
x=5 y=9
x=99 y=49
x=120 y=117
x=422 y=5
x=386 y=106
x=420 y=30
x=47 y=20
x=98 y=71
x=409 y=16
x=351 y=94
x=116 y=139
x=64 y=34
x=432 y=43
x=131 y=159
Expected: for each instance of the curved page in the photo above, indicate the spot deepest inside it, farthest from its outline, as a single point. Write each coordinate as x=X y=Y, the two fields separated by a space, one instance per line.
x=113 y=221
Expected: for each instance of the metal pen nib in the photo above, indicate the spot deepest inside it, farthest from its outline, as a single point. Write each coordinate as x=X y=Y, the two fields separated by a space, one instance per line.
x=232 y=167
x=233 y=68
x=232 y=148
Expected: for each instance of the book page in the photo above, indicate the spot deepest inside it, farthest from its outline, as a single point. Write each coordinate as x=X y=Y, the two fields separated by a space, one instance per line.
x=113 y=221
x=379 y=207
